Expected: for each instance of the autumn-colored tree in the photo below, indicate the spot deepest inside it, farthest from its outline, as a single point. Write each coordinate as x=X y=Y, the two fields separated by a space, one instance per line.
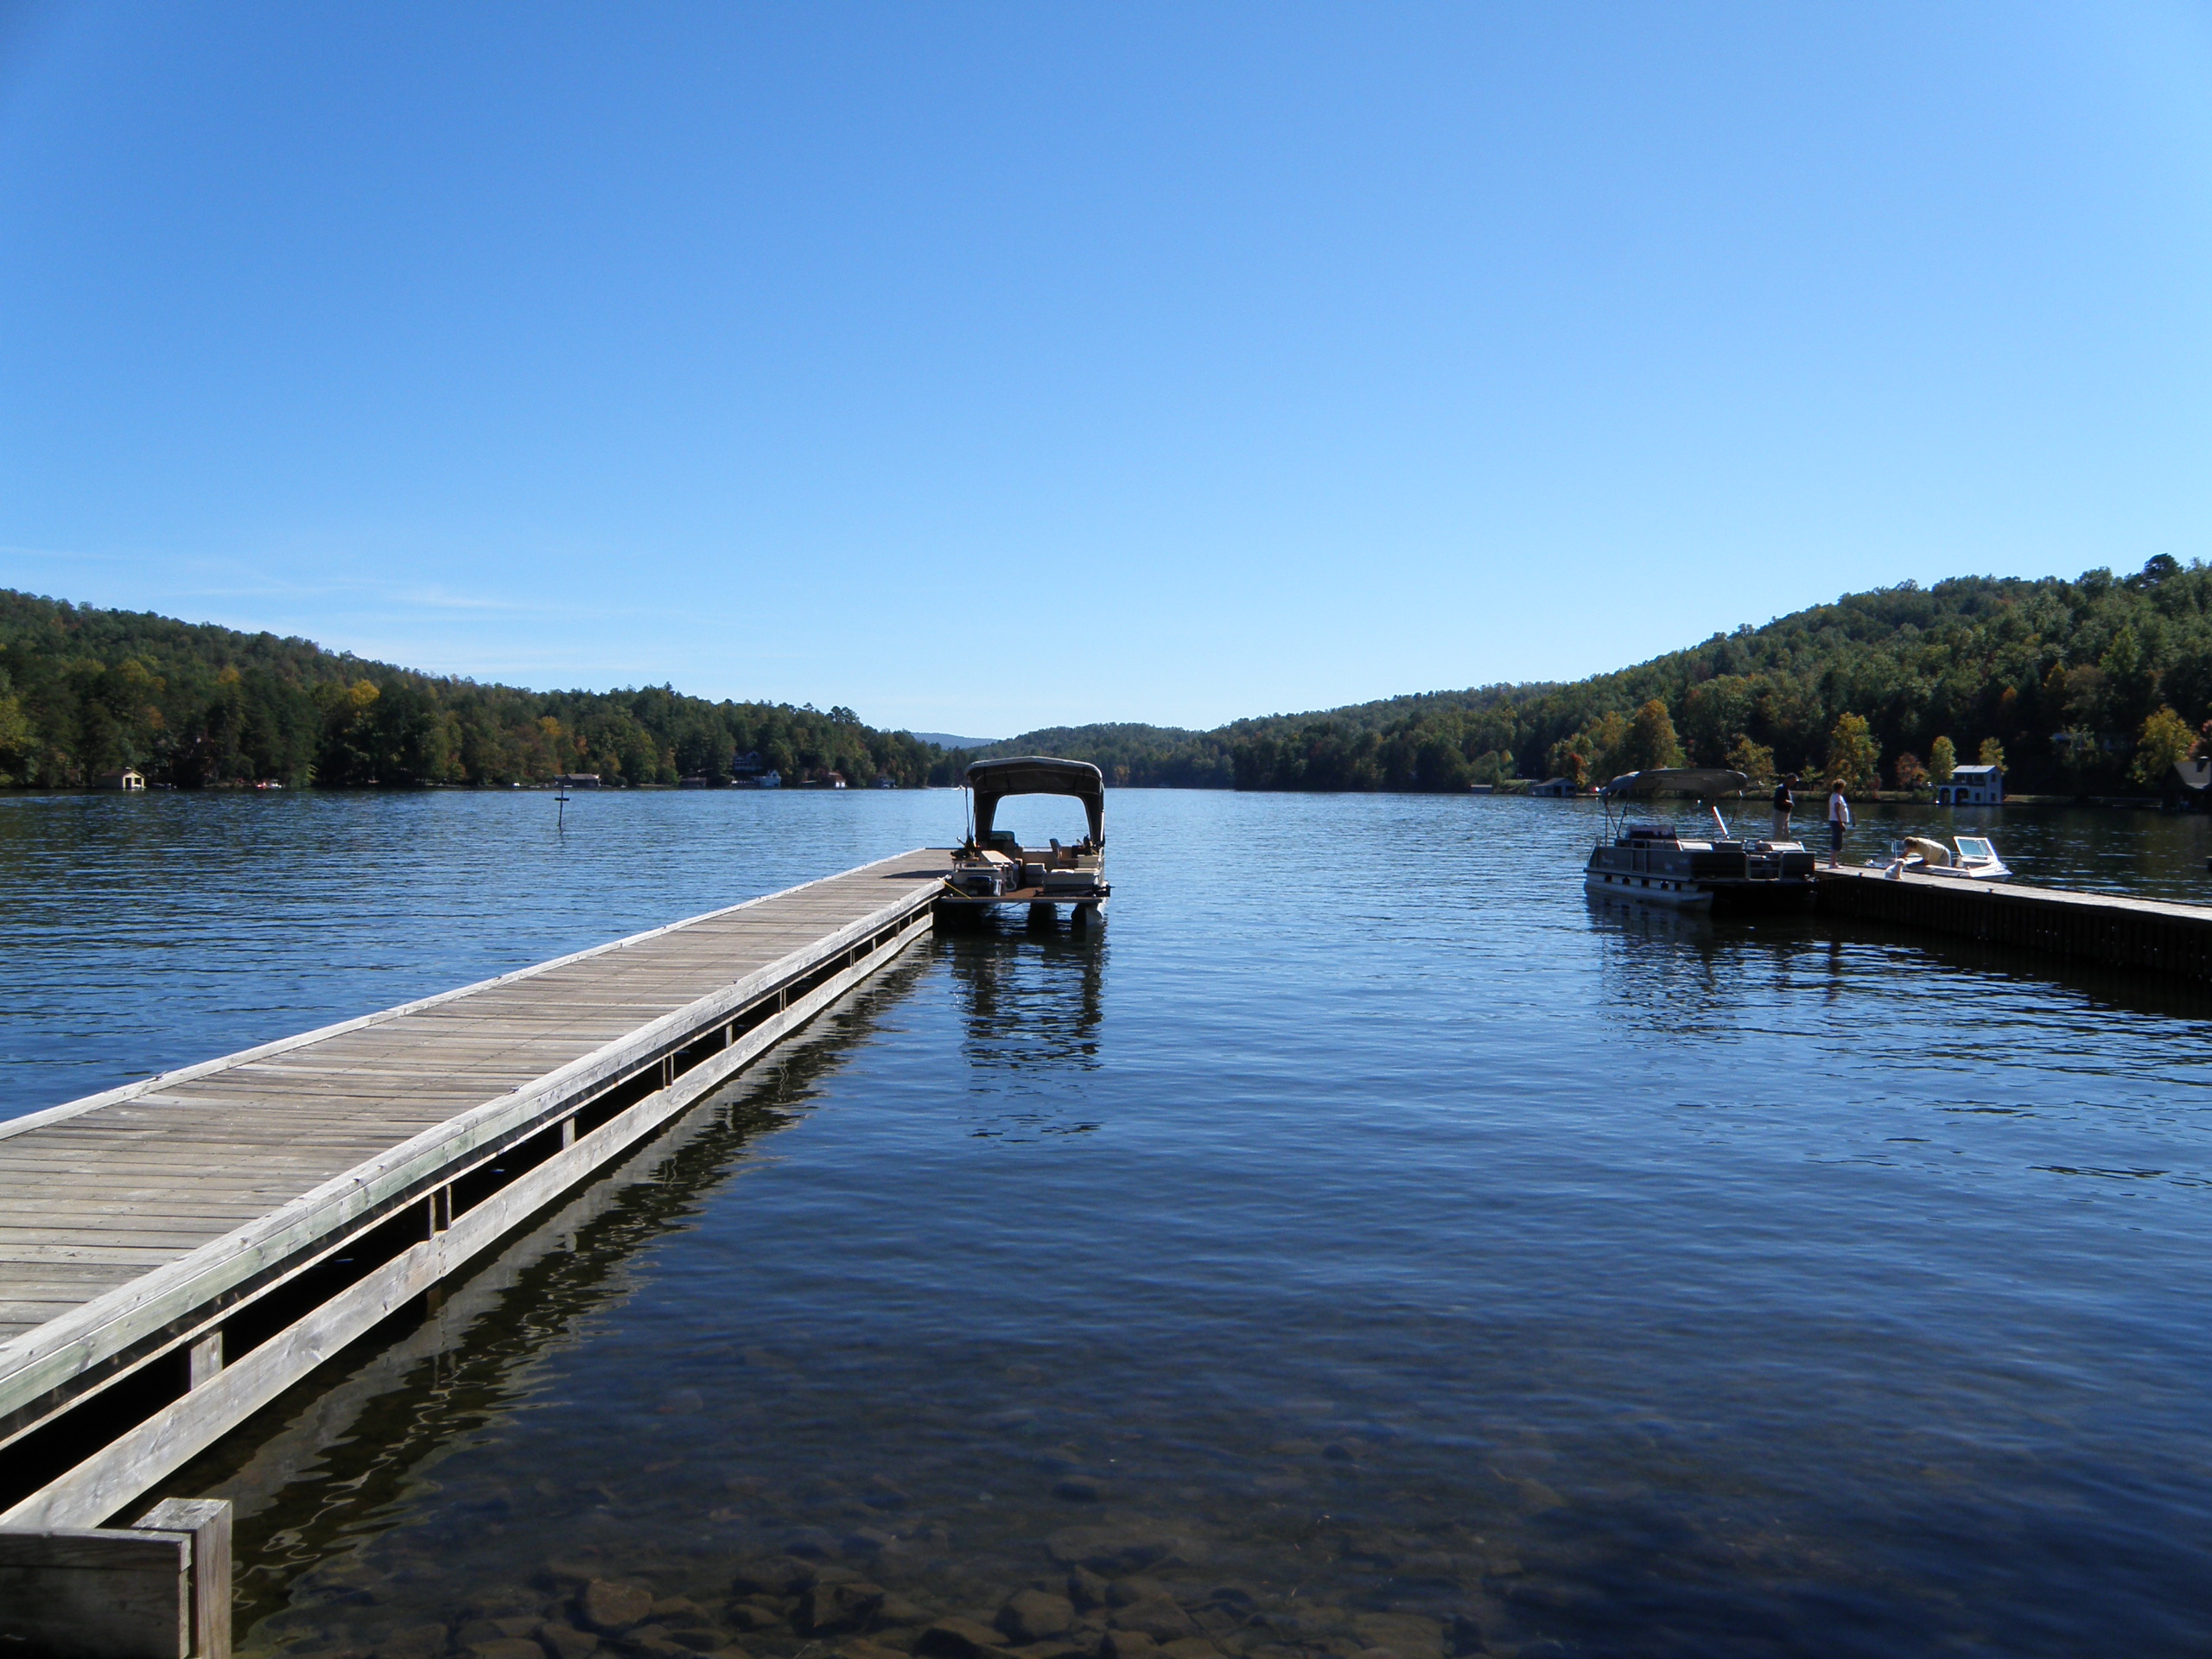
x=1942 y=760
x=1651 y=740
x=1992 y=753
x=1908 y=771
x=1570 y=759
x=2165 y=739
x=1853 y=754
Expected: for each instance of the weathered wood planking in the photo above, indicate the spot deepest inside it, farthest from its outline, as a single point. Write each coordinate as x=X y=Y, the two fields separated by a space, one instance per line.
x=138 y=1223
x=2144 y=933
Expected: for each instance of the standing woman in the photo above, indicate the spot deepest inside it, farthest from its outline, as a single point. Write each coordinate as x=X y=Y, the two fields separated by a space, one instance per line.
x=1839 y=820
x=1784 y=805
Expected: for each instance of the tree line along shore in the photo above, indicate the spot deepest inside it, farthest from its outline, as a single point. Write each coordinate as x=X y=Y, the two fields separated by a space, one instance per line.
x=87 y=692
x=2091 y=686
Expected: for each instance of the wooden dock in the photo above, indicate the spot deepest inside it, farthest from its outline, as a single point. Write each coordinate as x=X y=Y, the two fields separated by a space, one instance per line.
x=2099 y=927
x=176 y=1252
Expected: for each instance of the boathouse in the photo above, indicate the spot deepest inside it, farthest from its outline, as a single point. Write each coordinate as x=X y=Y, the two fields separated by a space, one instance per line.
x=127 y=780
x=1977 y=786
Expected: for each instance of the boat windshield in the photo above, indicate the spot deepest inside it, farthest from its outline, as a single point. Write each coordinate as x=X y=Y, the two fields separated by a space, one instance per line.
x=1975 y=847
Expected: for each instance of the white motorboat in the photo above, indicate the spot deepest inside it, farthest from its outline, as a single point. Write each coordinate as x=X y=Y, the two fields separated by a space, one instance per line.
x=1974 y=859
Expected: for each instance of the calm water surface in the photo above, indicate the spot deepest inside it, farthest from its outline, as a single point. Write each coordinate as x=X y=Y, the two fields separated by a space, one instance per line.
x=1369 y=1244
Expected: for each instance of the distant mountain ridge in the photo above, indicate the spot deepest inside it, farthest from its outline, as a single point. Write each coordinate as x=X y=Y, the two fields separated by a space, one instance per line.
x=2068 y=679
x=947 y=741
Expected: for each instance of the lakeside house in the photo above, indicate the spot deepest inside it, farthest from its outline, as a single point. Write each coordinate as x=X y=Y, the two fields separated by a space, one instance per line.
x=128 y=779
x=1975 y=785
x=1557 y=788
x=578 y=779
x=747 y=768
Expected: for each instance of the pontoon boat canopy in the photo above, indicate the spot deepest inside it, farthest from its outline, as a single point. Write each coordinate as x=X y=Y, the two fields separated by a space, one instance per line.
x=1035 y=774
x=1705 y=782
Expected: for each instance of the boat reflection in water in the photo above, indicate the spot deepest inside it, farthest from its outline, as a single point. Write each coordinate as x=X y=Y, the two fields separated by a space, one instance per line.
x=1652 y=860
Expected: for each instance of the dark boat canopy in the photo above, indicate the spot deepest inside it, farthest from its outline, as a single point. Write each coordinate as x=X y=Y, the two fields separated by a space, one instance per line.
x=1705 y=782
x=1037 y=774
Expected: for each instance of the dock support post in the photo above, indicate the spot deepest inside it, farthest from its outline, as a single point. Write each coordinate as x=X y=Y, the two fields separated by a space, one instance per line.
x=160 y=1589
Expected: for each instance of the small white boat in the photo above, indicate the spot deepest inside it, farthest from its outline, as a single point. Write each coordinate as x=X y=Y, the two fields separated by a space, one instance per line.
x=1975 y=859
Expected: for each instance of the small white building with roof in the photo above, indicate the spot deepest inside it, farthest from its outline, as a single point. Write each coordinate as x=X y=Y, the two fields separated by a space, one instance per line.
x=1975 y=785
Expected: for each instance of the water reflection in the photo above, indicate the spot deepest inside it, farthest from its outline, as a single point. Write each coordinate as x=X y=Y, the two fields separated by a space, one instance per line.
x=1031 y=997
x=344 y=1455
x=1442 y=1265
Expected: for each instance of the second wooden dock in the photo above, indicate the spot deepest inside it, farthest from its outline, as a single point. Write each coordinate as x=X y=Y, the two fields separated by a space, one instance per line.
x=2143 y=933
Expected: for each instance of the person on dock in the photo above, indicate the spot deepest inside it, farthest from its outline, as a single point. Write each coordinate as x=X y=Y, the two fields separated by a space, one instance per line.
x=1784 y=805
x=1839 y=820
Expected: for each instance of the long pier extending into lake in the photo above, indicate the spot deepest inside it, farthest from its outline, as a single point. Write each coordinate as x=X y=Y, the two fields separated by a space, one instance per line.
x=2100 y=927
x=176 y=1252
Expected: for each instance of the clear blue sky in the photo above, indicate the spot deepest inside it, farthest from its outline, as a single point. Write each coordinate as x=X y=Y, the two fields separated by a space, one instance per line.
x=983 y=367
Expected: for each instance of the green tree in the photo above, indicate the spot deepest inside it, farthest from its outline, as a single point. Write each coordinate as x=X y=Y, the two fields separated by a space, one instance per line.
x=1853 y=753
x=1651 y=740
x=15 y=733
x=1605 y=740
x=1942 y=760
x=1992 y=753
x=2129 y=675
x=2080 y=756
x=2165 y=740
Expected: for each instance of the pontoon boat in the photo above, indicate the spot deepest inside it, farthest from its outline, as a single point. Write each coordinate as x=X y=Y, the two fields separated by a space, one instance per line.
x=1652 y=860
x=993 y=867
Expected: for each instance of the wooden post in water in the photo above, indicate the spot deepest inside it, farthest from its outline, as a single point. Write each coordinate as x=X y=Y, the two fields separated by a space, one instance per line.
x=160 y=1589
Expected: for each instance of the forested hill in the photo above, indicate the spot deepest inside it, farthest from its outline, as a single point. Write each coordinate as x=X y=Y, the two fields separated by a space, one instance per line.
x=2087 y=685
x=86 y=691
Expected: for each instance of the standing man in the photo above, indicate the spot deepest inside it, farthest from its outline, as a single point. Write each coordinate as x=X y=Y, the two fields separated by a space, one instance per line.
x=1784 y=805
x=1839 y=820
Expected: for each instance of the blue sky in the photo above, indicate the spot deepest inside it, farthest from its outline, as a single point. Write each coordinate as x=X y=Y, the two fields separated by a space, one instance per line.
x=986 y=367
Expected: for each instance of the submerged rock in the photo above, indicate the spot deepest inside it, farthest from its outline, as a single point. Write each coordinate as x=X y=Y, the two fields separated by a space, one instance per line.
x=1033 y=1615
x=1160 y=1618
x=837 y=1609
x=612 y=1606
x=564 y=1641
x=1114 y=1550
x=958 y=1638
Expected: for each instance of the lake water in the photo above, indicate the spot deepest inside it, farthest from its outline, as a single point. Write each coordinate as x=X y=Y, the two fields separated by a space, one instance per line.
x=1368 y=1243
